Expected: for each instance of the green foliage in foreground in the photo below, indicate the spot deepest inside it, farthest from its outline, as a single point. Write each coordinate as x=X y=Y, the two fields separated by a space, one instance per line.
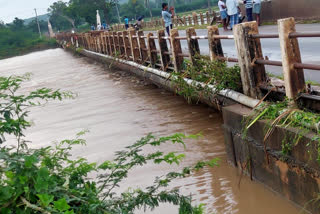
x=19 y=42
x=208 y=72
x=49 y=180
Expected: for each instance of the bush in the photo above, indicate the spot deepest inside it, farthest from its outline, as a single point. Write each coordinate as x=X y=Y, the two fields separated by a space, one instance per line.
x=18 y=42
x=48 y=180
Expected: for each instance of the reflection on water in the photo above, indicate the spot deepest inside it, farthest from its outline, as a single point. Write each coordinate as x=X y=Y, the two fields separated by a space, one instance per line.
x=119 y=109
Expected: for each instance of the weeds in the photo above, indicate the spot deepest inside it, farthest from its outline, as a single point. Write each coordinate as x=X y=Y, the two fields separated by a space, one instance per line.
x=282 y=115
x=209 y=72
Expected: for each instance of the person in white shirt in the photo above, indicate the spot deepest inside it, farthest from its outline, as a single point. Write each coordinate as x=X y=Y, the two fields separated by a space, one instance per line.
x=233 y=10
x=257 y=10
x=223 y=14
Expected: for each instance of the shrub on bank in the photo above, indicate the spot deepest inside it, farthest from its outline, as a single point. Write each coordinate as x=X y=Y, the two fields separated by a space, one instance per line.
x=19 y=42
x=48 y=180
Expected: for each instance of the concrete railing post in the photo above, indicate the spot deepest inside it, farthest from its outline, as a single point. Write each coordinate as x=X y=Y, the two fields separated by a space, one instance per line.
x=126 y=44
x=103 y=47
x=95 y=43
x=249 y=50
x=215 y=47
x=164 y=56
x=152 y=50
x=176 y=50
x=201 y=19
x=99 y=43
x=106 y=43
x=115 y=46
x=193 y=45
x=87 y=43
x=208 y=18
x=184 y=21
x=189 y=21
x=121 y=44
x=142 y=47
x=116 y=43
x=134 y=45
x=195 y=18
x=112 y=44
x=293 y=77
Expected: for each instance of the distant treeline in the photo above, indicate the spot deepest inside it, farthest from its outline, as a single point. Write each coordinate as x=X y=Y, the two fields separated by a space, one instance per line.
x=80 y=14
x=17 y=39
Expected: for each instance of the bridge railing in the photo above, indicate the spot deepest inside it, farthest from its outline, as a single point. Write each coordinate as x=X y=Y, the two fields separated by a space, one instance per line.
x=165 y=53
x=191 y=20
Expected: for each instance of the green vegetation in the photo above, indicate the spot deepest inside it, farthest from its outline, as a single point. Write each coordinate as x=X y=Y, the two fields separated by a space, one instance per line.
x=284 y=114
x=17 y=39
x=49 y=180
x=215 y=73
x=76 y=13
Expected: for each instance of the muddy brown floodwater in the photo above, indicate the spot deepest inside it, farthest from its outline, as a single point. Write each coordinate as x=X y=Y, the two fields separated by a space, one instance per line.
x=118 y=109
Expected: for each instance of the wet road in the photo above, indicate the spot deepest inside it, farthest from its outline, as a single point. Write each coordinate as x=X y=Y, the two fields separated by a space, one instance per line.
x=118 y=109
x=271 y=47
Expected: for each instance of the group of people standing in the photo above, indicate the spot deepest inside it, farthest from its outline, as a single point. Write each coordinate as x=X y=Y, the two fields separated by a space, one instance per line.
x=231 y=13
x=103 y=26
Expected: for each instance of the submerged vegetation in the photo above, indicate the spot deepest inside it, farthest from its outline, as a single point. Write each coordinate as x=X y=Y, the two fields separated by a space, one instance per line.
x=50 y=180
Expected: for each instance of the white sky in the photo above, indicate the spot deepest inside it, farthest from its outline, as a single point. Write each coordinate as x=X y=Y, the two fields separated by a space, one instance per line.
x=9 y=9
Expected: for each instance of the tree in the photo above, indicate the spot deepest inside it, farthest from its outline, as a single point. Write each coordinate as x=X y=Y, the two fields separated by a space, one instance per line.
x=33 y=26
x=87 y=9
x=2 y=25
x=60 y=15
x=147 y=4
x=17 y=24
x=133 y=8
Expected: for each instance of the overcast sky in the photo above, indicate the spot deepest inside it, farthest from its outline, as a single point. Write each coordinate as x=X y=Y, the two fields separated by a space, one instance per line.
x=9 y=9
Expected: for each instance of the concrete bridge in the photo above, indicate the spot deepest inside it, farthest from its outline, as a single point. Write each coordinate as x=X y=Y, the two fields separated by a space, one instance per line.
x=296 y=176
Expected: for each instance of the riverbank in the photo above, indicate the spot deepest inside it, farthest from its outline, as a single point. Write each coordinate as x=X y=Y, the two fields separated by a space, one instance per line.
x=28 y=47
x=16 y=42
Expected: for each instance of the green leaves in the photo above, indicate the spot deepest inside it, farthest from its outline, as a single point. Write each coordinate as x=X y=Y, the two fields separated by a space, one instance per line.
x=30 y=160
x=45 y=199
x=61 y=205
x=207 y=72
x=14 y=106
x=42 y=180
x=49 y=180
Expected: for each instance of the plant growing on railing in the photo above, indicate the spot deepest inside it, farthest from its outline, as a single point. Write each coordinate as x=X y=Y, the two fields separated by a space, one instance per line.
x=49 y=180
x=215 y=73
x=282 y=115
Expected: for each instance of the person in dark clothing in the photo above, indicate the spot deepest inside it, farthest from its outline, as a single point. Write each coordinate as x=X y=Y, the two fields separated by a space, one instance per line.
x=249 y=7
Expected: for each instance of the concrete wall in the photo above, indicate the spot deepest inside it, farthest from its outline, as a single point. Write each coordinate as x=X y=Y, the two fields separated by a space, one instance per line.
x=295 y=176
x=299 y=9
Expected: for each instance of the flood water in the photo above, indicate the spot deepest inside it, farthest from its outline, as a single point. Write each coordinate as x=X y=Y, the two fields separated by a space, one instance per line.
x=118 y=109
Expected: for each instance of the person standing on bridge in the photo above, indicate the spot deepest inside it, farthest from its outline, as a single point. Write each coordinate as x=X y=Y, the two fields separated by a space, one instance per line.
x=223 y=14
x=167 y=17
x=249 y=6
x=257 y=10
x=233 y=11
x=126 y=22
